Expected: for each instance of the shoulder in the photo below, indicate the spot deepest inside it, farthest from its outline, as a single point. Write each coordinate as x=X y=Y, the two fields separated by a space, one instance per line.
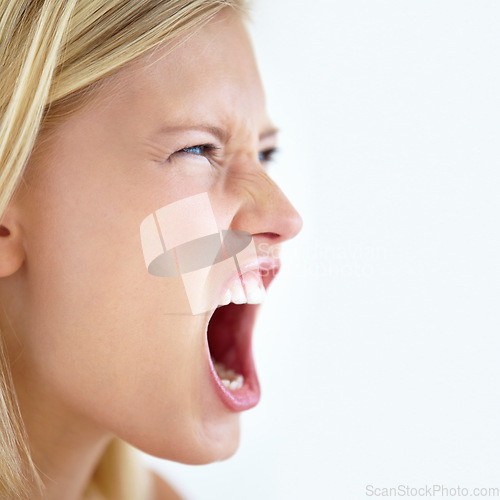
x=162 y=490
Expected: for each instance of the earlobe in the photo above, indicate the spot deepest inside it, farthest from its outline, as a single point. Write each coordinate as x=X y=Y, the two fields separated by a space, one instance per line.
x=11 y=247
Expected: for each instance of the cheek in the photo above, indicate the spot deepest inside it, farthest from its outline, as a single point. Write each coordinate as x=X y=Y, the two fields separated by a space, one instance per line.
x=93 y=311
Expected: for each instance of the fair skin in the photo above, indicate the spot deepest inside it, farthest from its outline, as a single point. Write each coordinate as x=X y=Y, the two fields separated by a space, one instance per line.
x=96 y=352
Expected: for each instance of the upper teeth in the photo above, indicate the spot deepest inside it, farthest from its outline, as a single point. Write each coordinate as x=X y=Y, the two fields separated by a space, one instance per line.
x=255 y=291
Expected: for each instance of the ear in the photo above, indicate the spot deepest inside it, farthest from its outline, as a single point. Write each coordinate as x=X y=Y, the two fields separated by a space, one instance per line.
x=12 y=254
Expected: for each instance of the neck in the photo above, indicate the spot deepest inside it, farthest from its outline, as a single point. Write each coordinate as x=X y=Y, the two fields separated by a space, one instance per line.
x=65 y=447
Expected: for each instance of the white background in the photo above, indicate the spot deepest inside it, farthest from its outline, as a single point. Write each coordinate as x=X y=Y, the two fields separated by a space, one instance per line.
x=378 y=348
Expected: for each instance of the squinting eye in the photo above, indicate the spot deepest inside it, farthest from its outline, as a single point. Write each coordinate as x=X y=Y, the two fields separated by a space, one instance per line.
x=208 y=151
x=268 y=155
x=199 y=150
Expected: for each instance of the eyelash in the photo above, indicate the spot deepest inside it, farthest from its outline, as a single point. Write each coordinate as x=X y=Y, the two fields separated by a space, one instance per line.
x=269 y=155
x=209 y=150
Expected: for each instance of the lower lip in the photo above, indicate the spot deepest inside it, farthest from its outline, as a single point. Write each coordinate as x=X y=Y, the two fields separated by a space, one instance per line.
x=241 y=399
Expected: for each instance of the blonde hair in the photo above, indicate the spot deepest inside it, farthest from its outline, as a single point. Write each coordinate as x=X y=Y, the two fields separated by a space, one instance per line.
x=53 y=55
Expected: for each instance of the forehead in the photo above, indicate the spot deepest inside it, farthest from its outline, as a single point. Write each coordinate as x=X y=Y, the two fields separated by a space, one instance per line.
x=211 y=73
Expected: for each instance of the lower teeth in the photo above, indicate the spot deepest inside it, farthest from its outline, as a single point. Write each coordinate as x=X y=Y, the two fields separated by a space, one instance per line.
x=229 y=378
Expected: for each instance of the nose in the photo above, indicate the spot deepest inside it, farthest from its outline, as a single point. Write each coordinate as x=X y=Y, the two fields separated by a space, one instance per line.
x=263 y=209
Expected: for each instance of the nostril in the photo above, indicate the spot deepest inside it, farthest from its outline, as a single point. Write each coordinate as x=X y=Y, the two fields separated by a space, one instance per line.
x=269 y=236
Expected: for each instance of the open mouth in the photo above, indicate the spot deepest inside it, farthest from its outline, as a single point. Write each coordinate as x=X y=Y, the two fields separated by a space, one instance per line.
x=230 y=343
x=229 y=336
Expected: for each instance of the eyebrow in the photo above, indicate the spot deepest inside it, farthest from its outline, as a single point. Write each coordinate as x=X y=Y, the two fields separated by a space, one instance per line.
x=218 y=132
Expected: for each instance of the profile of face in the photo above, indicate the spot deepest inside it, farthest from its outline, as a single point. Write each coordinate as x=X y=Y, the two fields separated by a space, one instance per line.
x=97 y=343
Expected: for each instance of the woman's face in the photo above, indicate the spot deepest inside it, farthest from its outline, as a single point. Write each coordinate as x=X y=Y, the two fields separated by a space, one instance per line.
x=98 y=338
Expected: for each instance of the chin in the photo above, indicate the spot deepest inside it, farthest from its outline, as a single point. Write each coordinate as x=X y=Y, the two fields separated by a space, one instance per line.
x=199 y=445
